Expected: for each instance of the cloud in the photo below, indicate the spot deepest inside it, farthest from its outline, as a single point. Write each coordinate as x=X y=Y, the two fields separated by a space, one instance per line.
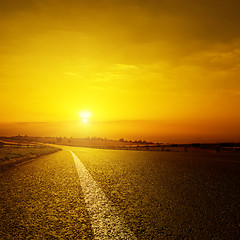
x=225 y=56
x=70 y=73
x=123 y=67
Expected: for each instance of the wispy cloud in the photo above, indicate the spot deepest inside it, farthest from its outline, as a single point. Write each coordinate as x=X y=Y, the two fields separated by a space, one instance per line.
x=70 y=73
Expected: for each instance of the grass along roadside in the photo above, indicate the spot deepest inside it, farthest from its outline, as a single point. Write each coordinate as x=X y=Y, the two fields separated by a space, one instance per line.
x=10 y=155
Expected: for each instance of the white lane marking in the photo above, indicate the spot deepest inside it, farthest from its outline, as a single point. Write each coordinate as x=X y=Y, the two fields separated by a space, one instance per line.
x=106 y=223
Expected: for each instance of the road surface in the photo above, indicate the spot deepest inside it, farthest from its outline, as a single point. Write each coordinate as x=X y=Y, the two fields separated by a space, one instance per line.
x=130 y=194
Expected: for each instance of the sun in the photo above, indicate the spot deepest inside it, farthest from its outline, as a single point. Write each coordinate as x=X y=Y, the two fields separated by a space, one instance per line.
x=85 y=115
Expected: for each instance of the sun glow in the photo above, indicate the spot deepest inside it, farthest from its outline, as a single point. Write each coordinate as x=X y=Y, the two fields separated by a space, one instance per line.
x=84 y=115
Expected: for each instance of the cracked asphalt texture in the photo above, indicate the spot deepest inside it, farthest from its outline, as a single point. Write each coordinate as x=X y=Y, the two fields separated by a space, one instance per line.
x=160 y=195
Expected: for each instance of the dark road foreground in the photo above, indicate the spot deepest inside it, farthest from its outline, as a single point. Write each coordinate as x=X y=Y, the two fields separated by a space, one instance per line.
x=159 y=195
x=41 y=199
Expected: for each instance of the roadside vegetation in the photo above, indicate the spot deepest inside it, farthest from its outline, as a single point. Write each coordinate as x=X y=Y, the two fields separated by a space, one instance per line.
x=121 y=144
x=14 y=153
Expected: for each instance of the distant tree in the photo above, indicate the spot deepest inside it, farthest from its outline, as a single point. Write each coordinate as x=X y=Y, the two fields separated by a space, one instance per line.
x=196 y=145
x=121 y=140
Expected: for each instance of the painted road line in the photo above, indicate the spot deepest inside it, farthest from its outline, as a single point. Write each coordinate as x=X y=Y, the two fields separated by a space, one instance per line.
x=106 y=223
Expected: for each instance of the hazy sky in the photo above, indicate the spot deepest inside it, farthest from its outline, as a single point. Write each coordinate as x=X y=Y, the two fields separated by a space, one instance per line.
x=158 y=70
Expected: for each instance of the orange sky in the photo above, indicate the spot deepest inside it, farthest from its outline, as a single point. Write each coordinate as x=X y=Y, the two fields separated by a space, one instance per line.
x=164 y=71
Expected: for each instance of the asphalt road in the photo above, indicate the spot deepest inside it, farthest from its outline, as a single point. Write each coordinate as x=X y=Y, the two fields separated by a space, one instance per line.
x=157 y=195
